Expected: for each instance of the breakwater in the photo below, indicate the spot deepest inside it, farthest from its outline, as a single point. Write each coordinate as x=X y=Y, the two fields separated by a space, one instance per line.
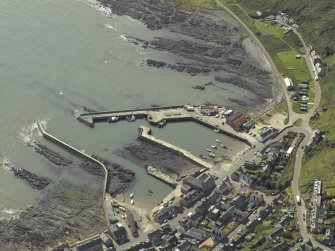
x=144 y=133
x=161 y=176
x=161 y=115
x=81 y=155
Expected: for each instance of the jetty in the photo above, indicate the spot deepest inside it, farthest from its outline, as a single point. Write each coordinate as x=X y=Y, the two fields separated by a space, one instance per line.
x=144 y=133
x=159 y=116
x=153 y=171
x=81 y=155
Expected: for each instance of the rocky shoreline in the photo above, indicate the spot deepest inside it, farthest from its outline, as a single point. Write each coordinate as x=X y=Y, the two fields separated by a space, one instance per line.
x=202 y=42
x=66 y=213
x=145 y=154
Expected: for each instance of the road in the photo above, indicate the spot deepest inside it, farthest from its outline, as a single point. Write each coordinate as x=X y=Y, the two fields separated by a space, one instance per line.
x=304 y=128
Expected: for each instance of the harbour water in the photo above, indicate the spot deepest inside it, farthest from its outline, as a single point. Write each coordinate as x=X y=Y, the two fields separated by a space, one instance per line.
x=58 y=56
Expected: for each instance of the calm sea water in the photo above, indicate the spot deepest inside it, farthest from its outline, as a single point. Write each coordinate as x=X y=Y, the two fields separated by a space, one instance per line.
x=59 y=55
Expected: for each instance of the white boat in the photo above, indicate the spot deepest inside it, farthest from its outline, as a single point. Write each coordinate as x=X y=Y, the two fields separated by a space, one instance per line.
x=214 y=146
x=113 y=119
x=217 y=140
x=131 y=195
x=223 y=146
x=208 y=150
x=131 y=118
x=216 y=130
x=132 y=202
x=212 y=155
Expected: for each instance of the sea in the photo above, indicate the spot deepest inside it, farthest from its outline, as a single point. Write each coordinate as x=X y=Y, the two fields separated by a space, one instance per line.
x=57 y=57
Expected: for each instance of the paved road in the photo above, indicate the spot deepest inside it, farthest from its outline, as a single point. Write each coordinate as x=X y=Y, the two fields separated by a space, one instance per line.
x=304 y=128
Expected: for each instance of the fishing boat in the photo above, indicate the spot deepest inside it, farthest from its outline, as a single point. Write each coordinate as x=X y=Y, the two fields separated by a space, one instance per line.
x=132 y=202
x=131 y=195
x=202 y=156
x=214 y=146
x=217 y=140
x=217 y=130
x=223 y=146
x=208 y=150
x=131 y=118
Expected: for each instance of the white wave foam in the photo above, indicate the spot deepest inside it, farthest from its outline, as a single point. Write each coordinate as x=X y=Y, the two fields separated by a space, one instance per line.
x=76 y=112
x=26 y=134
x=9 y=211
x=109 y=26
x=6 y=163
x=99 y=7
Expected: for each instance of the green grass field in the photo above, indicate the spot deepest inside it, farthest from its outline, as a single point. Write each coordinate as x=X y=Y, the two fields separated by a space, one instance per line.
x=321 y=166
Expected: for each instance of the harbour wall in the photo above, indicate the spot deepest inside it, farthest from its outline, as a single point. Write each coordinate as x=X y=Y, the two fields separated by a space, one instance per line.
x=81 y=155
x=144 y=134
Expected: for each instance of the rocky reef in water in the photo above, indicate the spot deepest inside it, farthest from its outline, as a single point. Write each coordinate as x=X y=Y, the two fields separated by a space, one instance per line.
x=205 y=42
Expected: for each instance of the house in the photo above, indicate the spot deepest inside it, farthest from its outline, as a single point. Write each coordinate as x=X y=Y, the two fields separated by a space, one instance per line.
x=169 y=242
x=209 y=110
x=106 y=240
x=225 y=186
x=62 y=247
x=213 y=213
x=185 y=189
x=289 y=84
x=248 y=125
x=188 y=223
x=213 y=197
x=239 y=202
x=249 y=164
x=132 y=223
x=285 y=220
x=156 y=237
x=225 y=217
x=196 y=233
x=118 y=233
x=282 y=246
x=237 y=124
x=239 y=215
x=191 y=198
x=165 y=213
x=241 y=177
x=267 y=133
x=203 y=207
x=329 y=237
x=256 y=198
x=231 y=118
x=205 y=183
x=218 y=235
x=186 y=246
x=91 y=245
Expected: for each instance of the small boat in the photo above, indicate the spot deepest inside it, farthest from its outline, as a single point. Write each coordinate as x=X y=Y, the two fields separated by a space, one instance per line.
x=131 y=118
x=212 y=155
x=150 y=191
x=217 y=140
x=112 y=119
x=214 y=146
x=217 y=130
x=132 y=202
x=202 y=156
x=131 y=195
x=208 y=150
x=223 y=146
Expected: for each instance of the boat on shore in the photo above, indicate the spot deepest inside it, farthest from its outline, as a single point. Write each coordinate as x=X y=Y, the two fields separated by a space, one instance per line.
x=217 y=140
x=223 y=146
x=214 y=146
x=132 y=202
x=131 y=195
x=202 y=156
x=208 y=150
x=217 y=130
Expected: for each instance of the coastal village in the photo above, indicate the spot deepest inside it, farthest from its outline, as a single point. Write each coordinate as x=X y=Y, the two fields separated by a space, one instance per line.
x=207 y=209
